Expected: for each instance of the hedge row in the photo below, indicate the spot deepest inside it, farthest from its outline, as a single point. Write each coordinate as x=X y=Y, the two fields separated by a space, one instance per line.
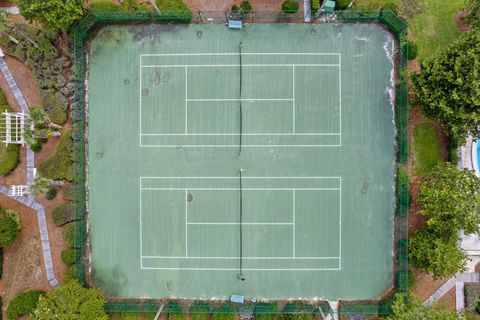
x=59 y=166
x=62 y=214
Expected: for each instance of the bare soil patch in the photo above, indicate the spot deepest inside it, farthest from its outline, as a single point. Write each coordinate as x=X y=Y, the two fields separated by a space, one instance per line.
x=448 y=300
x=459 y=21
x=426 y=285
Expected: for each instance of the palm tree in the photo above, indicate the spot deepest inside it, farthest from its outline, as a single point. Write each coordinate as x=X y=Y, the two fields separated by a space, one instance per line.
x=40 y=186
x=40 y=119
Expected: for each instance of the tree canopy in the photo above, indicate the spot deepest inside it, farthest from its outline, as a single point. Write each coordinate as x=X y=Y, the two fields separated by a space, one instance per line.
x=57 y=14
x=71 y=301
x=436 y=255
x=450 y=198
x=448 y=87
x=406 y=307
x=9 y=226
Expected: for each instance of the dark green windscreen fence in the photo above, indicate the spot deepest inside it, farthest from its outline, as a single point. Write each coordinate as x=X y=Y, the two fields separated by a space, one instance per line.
x=395 y=25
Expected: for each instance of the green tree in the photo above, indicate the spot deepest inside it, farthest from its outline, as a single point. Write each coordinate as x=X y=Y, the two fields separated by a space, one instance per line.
x=450 y=199
x=9 y=226
x=406 y=307
x=57 y=14
x=71 y=301
x=448 y=87
x=439 y=256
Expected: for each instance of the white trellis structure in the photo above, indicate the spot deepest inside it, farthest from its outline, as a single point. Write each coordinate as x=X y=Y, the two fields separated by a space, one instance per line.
x=12 y=127
x=19 y=190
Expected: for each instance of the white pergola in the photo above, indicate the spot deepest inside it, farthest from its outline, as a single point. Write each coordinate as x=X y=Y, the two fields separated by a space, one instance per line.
x=19 y=190
x=12 y=127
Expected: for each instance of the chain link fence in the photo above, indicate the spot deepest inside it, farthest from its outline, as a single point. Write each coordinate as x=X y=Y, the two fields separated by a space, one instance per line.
x=395 y=25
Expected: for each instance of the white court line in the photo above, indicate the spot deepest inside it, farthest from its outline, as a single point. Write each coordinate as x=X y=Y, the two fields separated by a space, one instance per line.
x=140 y=102
x=247 y=258
x=141 y=224
x=236 y=269
x=236 y=178
x=237 y=65
x=245 y=189
x=340 y=95
x=293 y=100
x=340 y=227
x=243 y=223
x=186 y=223
x=243 y=53
x=236 y=134
x=293 y=209
x=236 y=146
x=186 y=100
x=242 y=99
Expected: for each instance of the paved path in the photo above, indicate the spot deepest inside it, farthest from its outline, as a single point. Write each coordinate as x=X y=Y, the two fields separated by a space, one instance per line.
x=307 y=8
x=30 y=200
x=458 y=281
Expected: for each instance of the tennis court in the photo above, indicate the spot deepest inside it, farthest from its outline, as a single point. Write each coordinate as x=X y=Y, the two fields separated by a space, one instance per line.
x=257 y=162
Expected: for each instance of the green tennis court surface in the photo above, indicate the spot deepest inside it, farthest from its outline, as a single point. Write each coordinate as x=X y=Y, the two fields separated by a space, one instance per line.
x=305 y=111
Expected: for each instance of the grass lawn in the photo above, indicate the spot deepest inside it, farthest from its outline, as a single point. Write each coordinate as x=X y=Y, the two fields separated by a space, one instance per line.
x=427 y=148
x=434 y=28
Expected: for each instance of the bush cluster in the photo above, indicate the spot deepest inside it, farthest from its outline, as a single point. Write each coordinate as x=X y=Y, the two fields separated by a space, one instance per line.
x=472 y=292
x=51 y=194
x=24 y=304
x=11 y=160
x=126 y=6
x=9 y=226
x=62 y=214
x=59 y=166
x=50 y=60
x=342 y=4
x=316 y=4
x=412 y=50
x=290 y=6
x=67 y=192
x=70 y=256
x=69 y=234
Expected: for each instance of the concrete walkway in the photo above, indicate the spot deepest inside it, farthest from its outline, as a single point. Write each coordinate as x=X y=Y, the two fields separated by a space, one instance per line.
x=458 y=281
x=30 y=200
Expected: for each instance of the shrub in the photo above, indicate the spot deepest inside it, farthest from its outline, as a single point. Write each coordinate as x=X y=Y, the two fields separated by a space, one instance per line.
x=70 y=256
x=1 y=263
x=36 y=147
x=23 y=304
x=69 y=274
x=11 y=159
x=290 y=6
x=51 y=194
x=69 y=234
x=67 y=192
x=390 y=6
x=62 y=214
x=245 y=6
x=9 y=226
x=412 y=50
x=103 y=6
x=316 y=5
x=235 y=8
x=173 y=5
x=59 y=166
x=55 y=111
x=342 y=4
x=472 y=293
